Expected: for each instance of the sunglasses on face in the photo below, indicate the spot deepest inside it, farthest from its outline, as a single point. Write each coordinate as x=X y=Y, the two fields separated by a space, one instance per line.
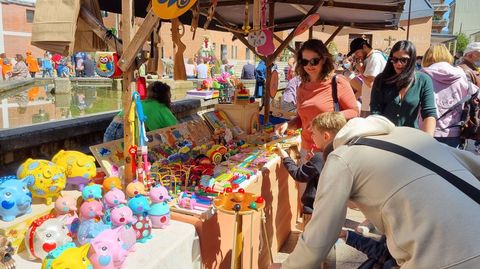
x=402 y=60
x=312 y=62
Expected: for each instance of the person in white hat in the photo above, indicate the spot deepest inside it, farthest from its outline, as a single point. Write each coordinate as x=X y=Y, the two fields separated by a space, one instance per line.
x=471 y=62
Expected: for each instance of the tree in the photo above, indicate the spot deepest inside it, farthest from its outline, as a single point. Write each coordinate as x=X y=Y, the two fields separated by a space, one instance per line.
x=462 y=42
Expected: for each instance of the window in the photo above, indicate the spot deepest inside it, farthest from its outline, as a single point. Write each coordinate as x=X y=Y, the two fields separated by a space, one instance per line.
x=223 y=51
x=30 y=14
x=234 y=52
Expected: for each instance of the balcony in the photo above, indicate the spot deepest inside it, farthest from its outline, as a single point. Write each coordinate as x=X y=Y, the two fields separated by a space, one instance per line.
x=437 y=2
x=440 y=8
x=439 y=23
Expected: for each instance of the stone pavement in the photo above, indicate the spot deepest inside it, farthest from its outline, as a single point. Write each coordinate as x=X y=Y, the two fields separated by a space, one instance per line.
x=346 y=256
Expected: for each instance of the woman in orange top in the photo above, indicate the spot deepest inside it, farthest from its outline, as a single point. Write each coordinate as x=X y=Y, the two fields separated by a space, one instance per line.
x=315 y=66
x=6 y=68
x=32 y=64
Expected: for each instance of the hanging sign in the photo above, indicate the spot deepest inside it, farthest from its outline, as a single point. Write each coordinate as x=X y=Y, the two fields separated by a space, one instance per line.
x=307 y=23
x=104 y=63
x=171 y=9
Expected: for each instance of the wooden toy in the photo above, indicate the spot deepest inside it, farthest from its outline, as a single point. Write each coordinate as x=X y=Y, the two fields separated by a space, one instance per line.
x=110 y=183
x=239 y=204
x=6 y=254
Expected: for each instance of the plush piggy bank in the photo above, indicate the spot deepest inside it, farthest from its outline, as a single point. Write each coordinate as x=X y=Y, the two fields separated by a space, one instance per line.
x=121 y=215
x=49 y=178
x=143 y=226
x=89 y=229
x=15 y=197
x=110 y=183
x=68 y=256
x=44 y=235
x=135 y=188
x=91 y=210
x=159 y=211
x=93 y=191
x=79 y=167
x=107 y=250
x=66 y=206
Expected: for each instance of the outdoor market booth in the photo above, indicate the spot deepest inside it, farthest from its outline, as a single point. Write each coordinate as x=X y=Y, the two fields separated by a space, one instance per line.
x=211 y=188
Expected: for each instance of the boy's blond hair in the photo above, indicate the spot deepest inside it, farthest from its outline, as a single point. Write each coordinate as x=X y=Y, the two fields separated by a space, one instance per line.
x=329 y=121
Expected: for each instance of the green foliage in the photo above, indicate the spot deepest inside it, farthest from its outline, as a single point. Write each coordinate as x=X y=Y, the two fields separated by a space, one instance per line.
x=332 y=48
x=462 y=42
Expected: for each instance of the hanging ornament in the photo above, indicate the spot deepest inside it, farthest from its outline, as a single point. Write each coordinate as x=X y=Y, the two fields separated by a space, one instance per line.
x=268 y=47
x=171 y=9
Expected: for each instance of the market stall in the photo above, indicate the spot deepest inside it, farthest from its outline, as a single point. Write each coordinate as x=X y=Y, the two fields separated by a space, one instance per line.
x=216 y=173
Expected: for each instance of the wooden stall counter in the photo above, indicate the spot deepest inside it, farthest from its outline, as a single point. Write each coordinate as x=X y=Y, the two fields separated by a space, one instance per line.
x=216 y=233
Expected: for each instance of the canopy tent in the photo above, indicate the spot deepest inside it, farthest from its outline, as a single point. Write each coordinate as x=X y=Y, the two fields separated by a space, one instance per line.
x=364 y=14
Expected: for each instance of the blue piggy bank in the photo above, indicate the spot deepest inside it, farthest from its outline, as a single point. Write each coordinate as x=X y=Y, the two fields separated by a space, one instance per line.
x=93 y=191
x=15 y=197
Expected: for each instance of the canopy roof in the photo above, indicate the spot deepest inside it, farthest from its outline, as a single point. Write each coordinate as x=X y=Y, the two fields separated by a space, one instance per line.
x=364 y=14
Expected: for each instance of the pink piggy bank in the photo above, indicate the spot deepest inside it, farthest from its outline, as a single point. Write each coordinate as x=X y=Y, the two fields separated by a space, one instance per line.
x=44 y=235
x=159 y=210
x=91 y=210
x=107 y=250
x=122 y=215
x=113 y=198
x=66 y=206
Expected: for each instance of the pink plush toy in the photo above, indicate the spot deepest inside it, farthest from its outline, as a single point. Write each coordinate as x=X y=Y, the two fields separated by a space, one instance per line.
x=121 y=215
x=91 y=210
x=113 y=198
x=159 y=210
x=107 y=250
x=66 y=206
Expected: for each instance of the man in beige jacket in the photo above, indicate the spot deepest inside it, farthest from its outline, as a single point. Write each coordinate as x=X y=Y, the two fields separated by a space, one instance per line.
x=428 y=222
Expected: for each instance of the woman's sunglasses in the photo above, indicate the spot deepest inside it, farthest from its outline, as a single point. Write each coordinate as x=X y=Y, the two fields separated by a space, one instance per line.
x=403 y=60
x=312 y=62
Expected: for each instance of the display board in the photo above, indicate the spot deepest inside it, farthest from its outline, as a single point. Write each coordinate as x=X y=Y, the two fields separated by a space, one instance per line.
x=161 y=144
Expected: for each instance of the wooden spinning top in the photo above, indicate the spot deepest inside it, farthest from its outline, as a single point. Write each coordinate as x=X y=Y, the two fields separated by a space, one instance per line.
x=241 y=203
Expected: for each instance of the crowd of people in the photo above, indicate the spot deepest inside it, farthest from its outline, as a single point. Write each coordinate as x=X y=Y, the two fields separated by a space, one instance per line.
x=379 y=138
x=21 y=67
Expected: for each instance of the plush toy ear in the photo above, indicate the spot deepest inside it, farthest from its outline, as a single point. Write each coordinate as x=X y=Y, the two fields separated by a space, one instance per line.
x=29 y=180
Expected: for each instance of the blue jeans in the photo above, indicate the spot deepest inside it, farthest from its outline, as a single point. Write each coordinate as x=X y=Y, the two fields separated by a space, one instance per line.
x=114 y=131
x=451 y=141
x=47 y=71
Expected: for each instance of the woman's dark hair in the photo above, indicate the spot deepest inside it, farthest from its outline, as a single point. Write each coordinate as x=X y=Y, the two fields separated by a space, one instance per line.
x=160 y=92
x=407 y=76
x=318 y=47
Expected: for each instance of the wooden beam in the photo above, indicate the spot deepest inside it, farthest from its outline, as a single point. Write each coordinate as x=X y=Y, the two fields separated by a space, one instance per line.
x=292 y=33
x=350 y=4
x=310 y=32
x=335 y=33
x=144 y=31
x=127 y=34
x=281 y=41
x=240 y=37
x=100 y=30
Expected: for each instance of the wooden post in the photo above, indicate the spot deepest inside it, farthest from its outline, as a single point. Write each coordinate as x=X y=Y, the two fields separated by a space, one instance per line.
x=310 y=32
x=179 y=72
x=127 y=34
x=269 y=63
x=335 y=33
x=136 y=43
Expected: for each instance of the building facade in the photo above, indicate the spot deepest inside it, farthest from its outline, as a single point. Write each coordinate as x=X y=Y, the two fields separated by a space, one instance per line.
x=463 y=17
x=439 y=21
x=16 y=18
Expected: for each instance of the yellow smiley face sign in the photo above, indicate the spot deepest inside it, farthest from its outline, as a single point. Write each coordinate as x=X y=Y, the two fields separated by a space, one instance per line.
x=171 y=9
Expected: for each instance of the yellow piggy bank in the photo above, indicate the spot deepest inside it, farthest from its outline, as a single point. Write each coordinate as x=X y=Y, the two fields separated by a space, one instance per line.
x=68 y=256
x=49 y=178
x=79 y=167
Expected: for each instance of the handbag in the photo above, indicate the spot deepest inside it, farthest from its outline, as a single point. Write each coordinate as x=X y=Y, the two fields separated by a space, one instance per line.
x=457 y=182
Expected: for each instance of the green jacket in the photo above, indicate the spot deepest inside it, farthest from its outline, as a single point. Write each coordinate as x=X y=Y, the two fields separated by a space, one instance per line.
x=385 y=101
x=158 y=115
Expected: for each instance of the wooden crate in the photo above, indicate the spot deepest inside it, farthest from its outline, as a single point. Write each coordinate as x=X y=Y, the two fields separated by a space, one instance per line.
x=244 y=116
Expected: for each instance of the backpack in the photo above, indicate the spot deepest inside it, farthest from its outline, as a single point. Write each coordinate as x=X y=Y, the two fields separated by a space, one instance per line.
x=470 y=119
